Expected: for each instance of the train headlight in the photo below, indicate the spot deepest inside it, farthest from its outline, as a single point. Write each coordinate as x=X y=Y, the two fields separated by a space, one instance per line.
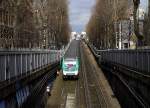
x=64 y=73
x=76 y=73
x=47 y=89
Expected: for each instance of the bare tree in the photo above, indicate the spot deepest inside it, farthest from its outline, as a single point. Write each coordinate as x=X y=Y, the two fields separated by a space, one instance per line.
x=36 y=23
x=100 y=28
x=58 y=22
x=147 y=27
x=136 y=24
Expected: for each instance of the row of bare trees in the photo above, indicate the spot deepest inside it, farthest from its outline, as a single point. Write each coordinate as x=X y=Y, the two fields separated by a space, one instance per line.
x=100 y=28
x=58 y=22
x=52 y=22
x=147 y=27
x=34 y=23
x=106 y=17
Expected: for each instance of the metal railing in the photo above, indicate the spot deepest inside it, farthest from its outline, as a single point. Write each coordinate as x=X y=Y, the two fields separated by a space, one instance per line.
x=18 y=62
x=138 y=60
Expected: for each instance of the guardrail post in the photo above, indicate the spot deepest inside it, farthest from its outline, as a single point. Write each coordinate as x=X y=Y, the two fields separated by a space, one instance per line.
x=34 y=61
x=49 y=57
x=148 y=62
x=142 y=54
x=15 y=66
x=21 y=64
x=30 y=63
x=26 y=59
x=128 y=58
x=46 y=59
x=5 y=67
x=40 y=61
x=137 y=61
x=37 y=60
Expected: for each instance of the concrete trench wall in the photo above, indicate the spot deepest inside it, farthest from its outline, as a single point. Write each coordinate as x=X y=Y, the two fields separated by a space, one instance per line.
x=124 y=97
x=16 y=99
x=16 y=63
x=19 y=97
x=122 y=93
x=141 y=88
x=111 y=61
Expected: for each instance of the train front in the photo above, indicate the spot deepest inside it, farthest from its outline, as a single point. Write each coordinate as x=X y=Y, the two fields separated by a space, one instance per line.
x=70 y=68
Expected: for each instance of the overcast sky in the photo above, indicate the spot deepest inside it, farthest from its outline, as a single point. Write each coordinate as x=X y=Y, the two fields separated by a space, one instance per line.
x=80 y=12
x=144 y=4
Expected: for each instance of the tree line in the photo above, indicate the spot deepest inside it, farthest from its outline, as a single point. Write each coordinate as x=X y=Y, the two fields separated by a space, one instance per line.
x=34 y=23
x=105 y=19
x=58 y=22
x=100 y=28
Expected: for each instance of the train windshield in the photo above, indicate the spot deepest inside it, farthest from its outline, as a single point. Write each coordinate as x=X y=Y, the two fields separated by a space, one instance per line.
x=70 y=65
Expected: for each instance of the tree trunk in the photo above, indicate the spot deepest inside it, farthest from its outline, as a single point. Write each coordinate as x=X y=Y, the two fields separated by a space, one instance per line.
x=136 y=24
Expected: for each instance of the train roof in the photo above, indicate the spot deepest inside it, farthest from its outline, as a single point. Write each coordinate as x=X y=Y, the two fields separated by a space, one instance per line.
x=73 y=50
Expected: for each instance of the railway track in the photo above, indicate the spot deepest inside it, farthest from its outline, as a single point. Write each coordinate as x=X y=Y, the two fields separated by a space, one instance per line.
x=85 y=92
x=69 y=94
x=93 y=92
x=88 y=91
